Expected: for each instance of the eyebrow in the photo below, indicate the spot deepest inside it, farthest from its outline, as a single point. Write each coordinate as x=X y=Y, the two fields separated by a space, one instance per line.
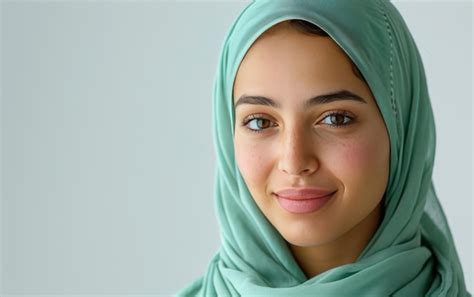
x=317 y=100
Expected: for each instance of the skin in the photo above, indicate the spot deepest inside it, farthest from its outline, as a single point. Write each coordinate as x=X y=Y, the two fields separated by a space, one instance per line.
x=302 y=147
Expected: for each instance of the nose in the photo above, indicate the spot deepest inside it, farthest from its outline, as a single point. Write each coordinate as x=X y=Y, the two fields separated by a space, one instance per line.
x=297 y=153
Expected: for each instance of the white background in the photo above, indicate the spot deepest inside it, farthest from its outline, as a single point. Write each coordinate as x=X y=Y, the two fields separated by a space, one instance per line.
x=106 y=143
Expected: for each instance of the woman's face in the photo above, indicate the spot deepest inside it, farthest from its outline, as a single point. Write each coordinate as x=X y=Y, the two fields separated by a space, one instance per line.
x=294 y=145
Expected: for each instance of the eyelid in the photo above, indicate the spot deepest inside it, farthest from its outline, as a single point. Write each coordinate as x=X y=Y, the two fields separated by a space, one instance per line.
x=338 y=111
x=255 y=116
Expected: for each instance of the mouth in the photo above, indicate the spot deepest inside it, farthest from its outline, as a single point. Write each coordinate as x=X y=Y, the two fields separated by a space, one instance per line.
x=298 y=205
x=303 y=193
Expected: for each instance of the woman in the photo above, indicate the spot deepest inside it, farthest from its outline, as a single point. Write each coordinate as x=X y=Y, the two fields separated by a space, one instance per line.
x=325 y=139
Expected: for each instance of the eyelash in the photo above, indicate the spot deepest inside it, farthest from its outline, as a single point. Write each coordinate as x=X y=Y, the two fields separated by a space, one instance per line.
x=260 y=117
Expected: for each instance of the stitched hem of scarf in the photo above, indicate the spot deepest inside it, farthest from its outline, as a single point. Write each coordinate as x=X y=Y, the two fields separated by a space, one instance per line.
x=389 y=31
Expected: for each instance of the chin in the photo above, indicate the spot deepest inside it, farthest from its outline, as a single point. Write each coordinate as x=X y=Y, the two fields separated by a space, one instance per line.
x=305 y=237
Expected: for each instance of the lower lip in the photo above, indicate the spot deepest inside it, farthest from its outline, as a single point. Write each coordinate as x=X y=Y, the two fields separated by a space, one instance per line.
x=303 y=206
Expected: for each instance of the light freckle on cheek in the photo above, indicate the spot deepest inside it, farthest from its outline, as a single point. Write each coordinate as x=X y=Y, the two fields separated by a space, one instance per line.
x=359 y=155
x=255 y=157
x=248 y=156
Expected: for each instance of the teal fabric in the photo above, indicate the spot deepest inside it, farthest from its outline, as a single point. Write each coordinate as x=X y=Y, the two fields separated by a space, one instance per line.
x=413 y=252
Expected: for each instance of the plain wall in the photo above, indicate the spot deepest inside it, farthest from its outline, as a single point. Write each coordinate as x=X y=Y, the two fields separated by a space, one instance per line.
x=107 y=159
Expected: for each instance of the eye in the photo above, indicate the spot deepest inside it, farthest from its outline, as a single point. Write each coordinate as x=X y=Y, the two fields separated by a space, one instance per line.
x=257 y=123
x=337 y=119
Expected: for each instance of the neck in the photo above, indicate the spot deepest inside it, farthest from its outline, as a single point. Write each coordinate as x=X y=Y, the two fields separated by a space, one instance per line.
x=317 y=259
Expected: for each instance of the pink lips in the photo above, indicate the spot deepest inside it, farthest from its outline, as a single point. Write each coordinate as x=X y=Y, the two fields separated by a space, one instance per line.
x=303 y=200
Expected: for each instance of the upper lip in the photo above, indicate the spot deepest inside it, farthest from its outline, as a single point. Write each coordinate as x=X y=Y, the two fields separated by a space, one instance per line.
x=303 y=193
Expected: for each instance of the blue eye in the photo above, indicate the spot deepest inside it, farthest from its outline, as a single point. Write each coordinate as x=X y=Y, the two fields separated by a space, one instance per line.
x=259 y=123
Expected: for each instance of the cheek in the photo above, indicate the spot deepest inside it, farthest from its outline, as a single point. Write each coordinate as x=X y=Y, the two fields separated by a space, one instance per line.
x=359 y=155
x=361 y=163
x=254 y=163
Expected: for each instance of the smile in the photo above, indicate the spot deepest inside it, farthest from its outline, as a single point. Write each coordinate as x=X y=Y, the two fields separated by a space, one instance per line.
x=301 y=206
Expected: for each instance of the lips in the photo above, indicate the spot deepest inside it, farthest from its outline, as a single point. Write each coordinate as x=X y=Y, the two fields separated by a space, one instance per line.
x=303 y=193
x=303 y=200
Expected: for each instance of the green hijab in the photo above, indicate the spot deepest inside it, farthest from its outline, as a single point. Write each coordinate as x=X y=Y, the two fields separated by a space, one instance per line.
x=413 y=252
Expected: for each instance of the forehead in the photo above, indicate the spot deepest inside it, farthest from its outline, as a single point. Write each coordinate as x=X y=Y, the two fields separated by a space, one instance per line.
x=285 y=60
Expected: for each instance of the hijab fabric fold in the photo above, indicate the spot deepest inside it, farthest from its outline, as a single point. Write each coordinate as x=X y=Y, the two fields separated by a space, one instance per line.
x=412 y=252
